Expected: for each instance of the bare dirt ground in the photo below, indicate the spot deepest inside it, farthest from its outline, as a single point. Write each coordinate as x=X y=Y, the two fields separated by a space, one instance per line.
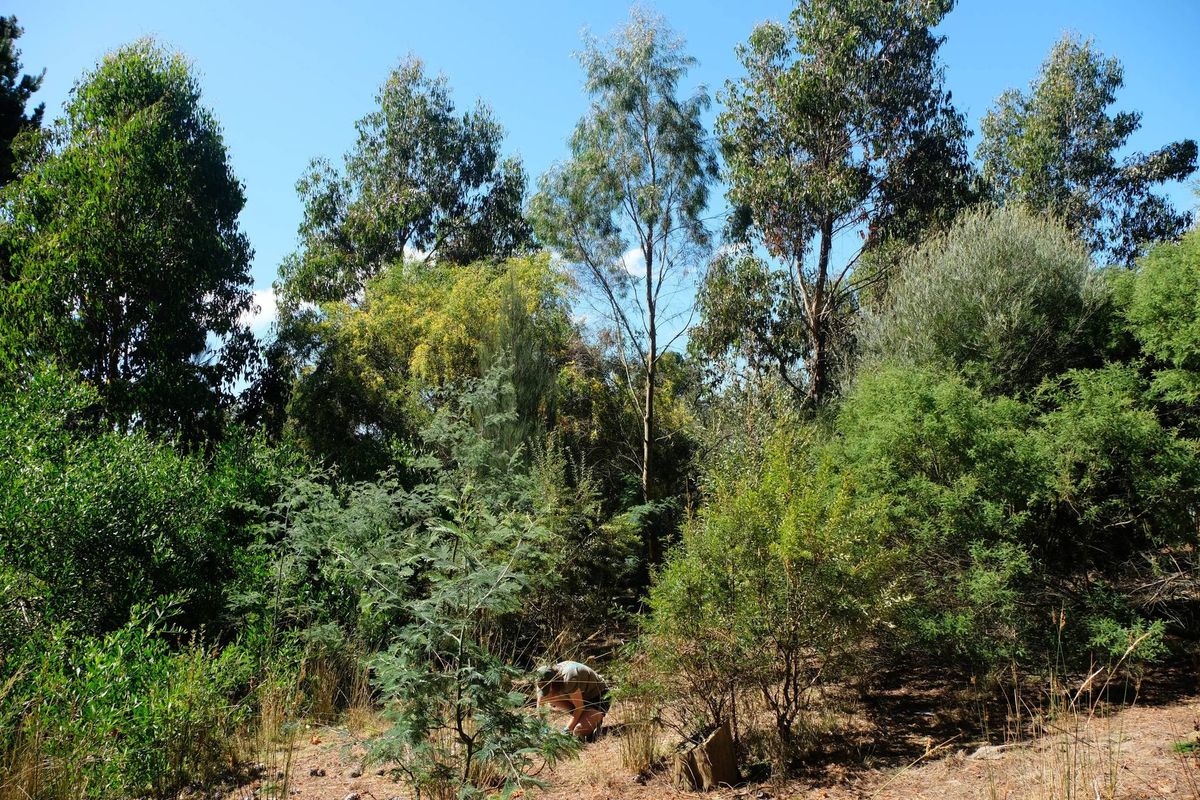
x=1127 y=754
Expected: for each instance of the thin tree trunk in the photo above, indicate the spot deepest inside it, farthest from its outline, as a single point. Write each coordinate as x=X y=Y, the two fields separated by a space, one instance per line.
x=819 y=320
x=648 y=406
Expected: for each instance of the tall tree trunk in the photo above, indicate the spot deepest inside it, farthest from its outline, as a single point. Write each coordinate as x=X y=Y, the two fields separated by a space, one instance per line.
x=818 y=368
x=648 y=405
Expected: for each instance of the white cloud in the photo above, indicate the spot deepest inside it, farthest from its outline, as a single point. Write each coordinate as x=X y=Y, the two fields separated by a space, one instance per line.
x=634 y=261
x=262 y=313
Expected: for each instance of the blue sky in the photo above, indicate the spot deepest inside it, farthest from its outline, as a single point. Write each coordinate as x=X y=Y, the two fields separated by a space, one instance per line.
x=287 y=80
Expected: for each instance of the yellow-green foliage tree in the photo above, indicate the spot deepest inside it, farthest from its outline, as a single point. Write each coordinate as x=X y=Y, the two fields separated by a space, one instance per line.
x=419 y=328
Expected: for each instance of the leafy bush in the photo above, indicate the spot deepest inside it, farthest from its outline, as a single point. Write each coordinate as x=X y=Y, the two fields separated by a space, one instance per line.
x=96 y=521
x=1005 y=296
x=1120 y=500
x=956 y=471
x=119 y=715
x=1013 y=514
x=594 y=568
x=774 y=587
x=437 y=579
x=1163 y=313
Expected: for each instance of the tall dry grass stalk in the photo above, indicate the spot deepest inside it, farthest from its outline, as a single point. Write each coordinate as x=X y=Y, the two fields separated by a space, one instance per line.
x=1189 y=773
x=28 y=770
x=1079 y=759
x=640 y=750
x=269 y=745
x=361 y=713
x=1078 y=750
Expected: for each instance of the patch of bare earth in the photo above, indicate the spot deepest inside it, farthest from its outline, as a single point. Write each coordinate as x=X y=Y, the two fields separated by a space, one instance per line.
x=1127 y=755
x=327 y=763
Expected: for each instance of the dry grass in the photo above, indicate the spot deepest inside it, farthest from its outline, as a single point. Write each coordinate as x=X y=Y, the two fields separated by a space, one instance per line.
x=641 y=749
x=1189 y=774
x=269 y=745
x=1079 y=757
x=27 y=770
x=361 y=716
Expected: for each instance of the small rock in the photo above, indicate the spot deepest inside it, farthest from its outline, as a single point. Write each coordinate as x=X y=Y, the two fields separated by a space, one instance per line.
x=990 y=752
x=352 y=796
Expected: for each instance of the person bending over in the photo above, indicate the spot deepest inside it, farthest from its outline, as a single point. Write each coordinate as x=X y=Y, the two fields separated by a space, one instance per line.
x=578 y=689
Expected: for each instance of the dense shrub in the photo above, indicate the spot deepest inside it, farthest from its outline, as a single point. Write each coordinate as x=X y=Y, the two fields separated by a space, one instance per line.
x=1012 y=514
x=956 y=472
x=1163 y=313
x=1005 y=296
x=96 y=521
x=119 y=715
x=441 y=582
x=1165 y=307
x=775 y=585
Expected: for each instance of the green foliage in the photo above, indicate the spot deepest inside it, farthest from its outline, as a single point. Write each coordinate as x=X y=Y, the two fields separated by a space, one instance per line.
x=956 y=472
x=1163 y=312
x=96 y=521
x=1055 y=149
x=15 y=91
x=384 y=365
x=457 y=720
x=421 y=177
x=1004 y=296
x=775 y=585
x=1010 y=480
x=749 y=327
x=1186 y=747
x=841 y=121
x=438 y=577
x=596 y=560
x=126 y=257
x=1012 y=512
x=123 y=715
x=1126 y=485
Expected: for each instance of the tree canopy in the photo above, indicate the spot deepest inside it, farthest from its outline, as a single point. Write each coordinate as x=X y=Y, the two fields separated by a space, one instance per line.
x=638 y=175
x=15 y=91
x=1057 y=148
x=127 y=258
x=841 y=126
x=421 y=181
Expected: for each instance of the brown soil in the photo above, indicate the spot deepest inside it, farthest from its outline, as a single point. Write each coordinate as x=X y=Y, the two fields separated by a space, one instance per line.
x=1128 y=754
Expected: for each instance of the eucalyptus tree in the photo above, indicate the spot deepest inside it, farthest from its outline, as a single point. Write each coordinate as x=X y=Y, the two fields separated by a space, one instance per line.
x=127 y=261
x=1056 y=149
x=421 y=178
x=15 y=91
x=840 y=130
x=626 y=210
